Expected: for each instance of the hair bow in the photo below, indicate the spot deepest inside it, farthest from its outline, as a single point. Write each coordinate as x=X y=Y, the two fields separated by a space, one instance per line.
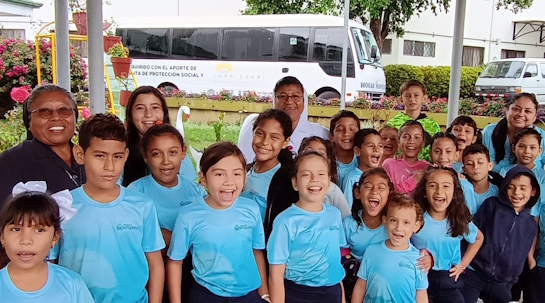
x=63 y=198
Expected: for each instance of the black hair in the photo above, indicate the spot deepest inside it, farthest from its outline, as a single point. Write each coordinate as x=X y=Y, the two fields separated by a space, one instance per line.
x=359 y=137
x=136 y=167
x=338 y=116
x=160 y=131
x=411 y=123
x=499 y=135
x=467 y=120
x=474 y=149
x=444 y=135
x=285 y=157
x=217 y=151
x=330 y=154
x=289 y=80
x=357 y=205
x=307 y=154
x=521 y=134
x=101 y=126
x=535 y=186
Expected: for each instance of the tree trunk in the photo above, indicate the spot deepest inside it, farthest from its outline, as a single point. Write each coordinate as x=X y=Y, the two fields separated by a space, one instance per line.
x=376 y=28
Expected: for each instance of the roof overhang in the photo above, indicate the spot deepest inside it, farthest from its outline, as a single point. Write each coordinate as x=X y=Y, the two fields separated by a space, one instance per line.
x=525 y=27
x=18 y=8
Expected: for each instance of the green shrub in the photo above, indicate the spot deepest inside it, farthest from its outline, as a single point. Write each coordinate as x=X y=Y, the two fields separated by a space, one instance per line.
x=436 y=79
x=397 y=74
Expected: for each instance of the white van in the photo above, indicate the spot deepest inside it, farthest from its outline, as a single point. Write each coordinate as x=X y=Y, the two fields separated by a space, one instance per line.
x=507 y=77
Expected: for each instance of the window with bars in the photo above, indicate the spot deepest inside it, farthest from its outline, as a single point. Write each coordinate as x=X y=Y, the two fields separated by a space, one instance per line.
x=507 y=53
x=472 y=56
x=387 y=47
x=418 y=48
x=12 y=33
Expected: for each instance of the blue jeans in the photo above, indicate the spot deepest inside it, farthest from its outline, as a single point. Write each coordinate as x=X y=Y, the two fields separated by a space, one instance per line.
x=200 y=294
x=296 y=293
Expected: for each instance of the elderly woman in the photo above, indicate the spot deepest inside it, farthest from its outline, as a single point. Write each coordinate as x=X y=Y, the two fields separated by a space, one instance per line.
x=289 y=96
x=51 y=111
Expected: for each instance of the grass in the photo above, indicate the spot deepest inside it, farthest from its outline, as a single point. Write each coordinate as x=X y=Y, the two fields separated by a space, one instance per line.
x=201 y=135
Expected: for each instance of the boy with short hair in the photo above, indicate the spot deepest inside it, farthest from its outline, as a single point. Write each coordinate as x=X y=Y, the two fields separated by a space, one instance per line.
x=506 y=223
x=413 y=94
x=477 y=168
x=342 y=128
x=114 y=241
x=466 y=132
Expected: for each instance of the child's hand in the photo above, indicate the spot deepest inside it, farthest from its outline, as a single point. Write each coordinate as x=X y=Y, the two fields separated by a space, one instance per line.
x=417 y=176
x=425 y=262
x=532 y=263
x=456 y=271
x=461 y=176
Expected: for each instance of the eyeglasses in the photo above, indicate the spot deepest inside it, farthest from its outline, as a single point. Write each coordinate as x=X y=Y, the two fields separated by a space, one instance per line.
x=46 y=113
x=285 y=98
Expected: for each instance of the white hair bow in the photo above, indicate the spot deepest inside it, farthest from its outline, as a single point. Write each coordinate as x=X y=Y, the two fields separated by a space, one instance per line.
x=63 y=198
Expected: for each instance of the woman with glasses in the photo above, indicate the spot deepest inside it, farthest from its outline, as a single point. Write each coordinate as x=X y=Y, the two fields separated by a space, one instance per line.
x=289 y=96
x=50 y=114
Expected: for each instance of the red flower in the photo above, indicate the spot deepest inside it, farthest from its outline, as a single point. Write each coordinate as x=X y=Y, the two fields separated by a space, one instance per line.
x=19 y=94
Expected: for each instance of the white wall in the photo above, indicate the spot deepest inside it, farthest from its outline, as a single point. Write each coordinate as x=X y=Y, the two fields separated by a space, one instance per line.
x=120 y=9
x=484 y=25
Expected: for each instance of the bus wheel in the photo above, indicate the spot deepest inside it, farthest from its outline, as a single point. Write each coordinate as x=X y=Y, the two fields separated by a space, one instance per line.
x=328 y=95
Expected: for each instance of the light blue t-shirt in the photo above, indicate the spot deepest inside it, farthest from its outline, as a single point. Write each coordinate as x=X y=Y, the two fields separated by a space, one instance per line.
x=222 y=244
x=392 y=276
x=187 y=170
x=436 y=238
x=62 y=286
x=309 y=244
x=474 y=200
x=168 y=200
x=106 y=243
x=487 y=141
x=348 y=186
x=458 y=167
x=539 y=211
x=257 y=187
x=344 y=169
x=360 y=237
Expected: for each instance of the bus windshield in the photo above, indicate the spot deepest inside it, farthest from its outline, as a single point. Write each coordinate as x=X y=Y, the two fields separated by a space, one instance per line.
x=503 y=69
x=364 y=40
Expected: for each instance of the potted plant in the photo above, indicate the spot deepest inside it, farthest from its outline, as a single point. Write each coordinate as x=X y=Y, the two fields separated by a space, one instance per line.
x=79 y=15
x=124 y=94
x=110 y=39
x=120 y=60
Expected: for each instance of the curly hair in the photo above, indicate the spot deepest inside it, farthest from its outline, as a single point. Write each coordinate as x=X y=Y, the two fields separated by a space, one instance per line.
x=457 y=212
x=357 y=205
x=398 y=200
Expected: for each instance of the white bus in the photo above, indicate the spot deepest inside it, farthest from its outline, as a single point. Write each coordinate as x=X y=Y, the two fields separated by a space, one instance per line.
x=244 y=54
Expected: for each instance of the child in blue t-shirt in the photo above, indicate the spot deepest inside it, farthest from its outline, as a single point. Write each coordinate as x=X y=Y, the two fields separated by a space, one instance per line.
x=272 y=131
x=369 y=149
x=534 y=292
x=477 y=169
x=224 y=233
x=389 y=271
x=30 y=225
x=163 y=150
x=464 y=128
x=342 y=128
x=304 y=247
x=446 y=222
x=443 y=150
x=114 y=241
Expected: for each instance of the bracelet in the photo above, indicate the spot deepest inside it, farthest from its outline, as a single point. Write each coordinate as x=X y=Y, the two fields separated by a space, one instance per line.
x=265 y=296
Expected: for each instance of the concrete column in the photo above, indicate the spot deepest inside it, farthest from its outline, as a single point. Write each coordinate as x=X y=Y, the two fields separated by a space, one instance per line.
x=62 y=41
x=344 y=65
x=96 y=56
x=456 y=63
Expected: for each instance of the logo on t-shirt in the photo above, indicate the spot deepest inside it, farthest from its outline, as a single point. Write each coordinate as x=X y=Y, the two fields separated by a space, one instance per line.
x=184 y=203
x=406 y=265
x=242 y=226
x=333 y=227
x=126 y=226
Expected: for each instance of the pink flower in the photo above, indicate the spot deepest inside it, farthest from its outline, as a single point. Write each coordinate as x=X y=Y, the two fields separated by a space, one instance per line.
x=19 y=94
x=85 y=113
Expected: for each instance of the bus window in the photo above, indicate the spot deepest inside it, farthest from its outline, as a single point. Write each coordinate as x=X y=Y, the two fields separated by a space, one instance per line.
x=293 y=44
x=253 y=44
x=195 y=43
x=364 y=40
x=328 y=45
x=148 y=43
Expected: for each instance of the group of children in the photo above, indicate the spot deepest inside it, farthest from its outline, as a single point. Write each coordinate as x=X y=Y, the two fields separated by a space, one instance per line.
x=363 y=217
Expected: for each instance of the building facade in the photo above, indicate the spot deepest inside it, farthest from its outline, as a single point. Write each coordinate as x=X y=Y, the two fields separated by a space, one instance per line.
x=489 y=34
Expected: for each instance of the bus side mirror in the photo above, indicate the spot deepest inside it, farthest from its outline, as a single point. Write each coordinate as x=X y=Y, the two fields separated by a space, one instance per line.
x=374 y=51
x=527 y=75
